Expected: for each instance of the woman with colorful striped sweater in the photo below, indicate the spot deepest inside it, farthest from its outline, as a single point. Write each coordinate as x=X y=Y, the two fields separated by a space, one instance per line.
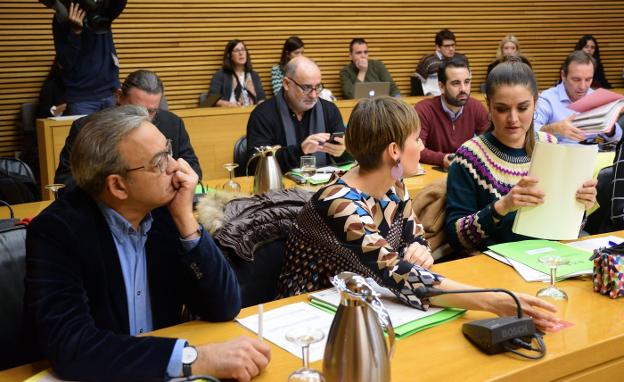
x=488 y=180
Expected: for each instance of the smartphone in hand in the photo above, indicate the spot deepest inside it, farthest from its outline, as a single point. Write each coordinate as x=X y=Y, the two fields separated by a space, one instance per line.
x=332 y=137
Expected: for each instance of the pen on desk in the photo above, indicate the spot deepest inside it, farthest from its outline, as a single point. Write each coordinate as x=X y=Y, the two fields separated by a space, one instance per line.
x=260 y=320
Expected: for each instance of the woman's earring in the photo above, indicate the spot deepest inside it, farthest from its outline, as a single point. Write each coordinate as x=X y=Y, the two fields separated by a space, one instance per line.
x=397 y=171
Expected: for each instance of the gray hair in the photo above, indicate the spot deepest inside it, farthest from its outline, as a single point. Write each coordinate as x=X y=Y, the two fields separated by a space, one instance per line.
x=145 y=80
x=95 y=153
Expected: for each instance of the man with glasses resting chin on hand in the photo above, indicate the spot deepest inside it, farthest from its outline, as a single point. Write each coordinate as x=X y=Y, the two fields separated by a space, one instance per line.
x=298 y=120
x=122 y=254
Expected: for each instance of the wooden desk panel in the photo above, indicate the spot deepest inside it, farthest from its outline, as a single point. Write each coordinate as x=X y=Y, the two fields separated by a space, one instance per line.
x=24 y=210
x=592 y=348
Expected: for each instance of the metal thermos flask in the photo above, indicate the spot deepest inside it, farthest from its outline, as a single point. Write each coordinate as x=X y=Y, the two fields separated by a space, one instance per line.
x=356 y=348
x=268 y=175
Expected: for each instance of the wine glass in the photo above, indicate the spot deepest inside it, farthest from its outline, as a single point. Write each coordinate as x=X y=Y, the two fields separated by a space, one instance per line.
x=307 y=164
x=551 y=291
x=54 y=187
x=304 y=337
x=231 y=185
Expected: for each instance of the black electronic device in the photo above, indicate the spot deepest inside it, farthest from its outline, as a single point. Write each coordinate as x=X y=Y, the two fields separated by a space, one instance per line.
x=332 y=137
x=496 y=335
x=95 y=19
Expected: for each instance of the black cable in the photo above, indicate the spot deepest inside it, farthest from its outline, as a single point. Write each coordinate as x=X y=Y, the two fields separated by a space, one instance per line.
x=9 y=207
x=541 y=349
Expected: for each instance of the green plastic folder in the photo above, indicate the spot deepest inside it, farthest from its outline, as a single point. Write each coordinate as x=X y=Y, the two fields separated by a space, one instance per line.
x=528 y=252
x=409 y=328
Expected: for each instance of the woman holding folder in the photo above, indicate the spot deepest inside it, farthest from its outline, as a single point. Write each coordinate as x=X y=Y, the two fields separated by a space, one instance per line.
x=488 y=180
x=363 y=221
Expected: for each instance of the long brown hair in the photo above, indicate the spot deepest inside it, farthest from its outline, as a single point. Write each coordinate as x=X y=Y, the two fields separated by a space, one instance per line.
x=512 y=73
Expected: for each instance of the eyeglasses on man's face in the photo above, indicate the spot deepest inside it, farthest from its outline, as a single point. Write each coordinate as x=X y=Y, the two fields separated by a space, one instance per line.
x=160 y=161
x=307 y=89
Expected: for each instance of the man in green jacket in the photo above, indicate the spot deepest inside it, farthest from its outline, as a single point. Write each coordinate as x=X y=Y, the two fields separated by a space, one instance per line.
x=361 y=69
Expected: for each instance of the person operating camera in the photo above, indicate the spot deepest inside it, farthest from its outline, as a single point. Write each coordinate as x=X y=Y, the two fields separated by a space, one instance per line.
x=85 y=51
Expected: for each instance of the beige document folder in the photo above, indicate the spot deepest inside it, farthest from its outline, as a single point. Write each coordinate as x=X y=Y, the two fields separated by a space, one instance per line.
x=561 y=170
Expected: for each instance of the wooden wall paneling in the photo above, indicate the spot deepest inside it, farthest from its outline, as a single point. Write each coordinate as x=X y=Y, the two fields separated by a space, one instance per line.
x=183 y=40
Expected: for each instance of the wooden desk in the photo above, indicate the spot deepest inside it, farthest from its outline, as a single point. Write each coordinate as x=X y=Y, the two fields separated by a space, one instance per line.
x=592 y=349
x=213 y=132
x=414 y=183
x=25 y=210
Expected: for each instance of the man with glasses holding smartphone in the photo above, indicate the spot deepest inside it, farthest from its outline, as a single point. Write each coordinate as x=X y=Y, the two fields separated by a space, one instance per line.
x=298 y=120
x=427 y=69
x=142 y=88
x=363 y=69
x=122 y=254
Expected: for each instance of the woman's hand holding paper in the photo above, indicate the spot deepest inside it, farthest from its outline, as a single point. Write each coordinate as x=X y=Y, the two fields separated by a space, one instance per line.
x=523 y=194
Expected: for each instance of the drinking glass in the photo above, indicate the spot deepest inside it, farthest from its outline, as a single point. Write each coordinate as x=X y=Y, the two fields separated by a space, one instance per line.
x=231 y=185
x=307 y=164
x=54 y=187
x=304 y=337
x=551 y=291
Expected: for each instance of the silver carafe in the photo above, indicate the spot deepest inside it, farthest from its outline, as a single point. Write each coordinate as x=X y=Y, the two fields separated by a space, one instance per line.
x=268 y=174
x=356 y=348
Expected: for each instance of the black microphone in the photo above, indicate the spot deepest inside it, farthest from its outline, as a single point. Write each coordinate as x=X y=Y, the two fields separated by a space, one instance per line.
x=496 y=335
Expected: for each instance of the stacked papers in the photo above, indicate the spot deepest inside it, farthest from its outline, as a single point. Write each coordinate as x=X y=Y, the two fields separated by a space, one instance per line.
x=323 y=174
x=278 y=321
x=405 y=319
x=523 y=256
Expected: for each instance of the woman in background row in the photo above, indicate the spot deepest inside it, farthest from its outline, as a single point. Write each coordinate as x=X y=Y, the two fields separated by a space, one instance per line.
x=363 y=221
x=236 y=82
x=293 y=47
x=508 y=46
x=488 y=179
x=589 y=45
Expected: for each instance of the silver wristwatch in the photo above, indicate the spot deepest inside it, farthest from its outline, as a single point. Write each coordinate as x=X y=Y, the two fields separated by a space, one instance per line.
x=189 y=355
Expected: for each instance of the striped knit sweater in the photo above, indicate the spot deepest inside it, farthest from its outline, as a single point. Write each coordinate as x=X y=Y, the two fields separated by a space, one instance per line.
x=483 y=172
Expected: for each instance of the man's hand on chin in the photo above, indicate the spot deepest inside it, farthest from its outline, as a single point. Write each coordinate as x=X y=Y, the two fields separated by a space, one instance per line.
x=183 y=180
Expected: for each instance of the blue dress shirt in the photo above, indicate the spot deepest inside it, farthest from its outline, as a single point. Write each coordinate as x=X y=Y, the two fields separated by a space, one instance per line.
x=452 y=115
x=552 y=106
x=130 y=244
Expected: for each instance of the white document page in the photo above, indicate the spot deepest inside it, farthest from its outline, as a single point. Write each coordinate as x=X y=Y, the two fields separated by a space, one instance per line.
x=399 y=313
x=561 y=170
x=67 y=117
x=527 y=273
x=279 y=320
x=599 y=242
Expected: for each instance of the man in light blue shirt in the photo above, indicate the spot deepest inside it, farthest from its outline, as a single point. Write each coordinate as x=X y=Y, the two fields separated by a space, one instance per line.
x=122 y=254
x=552 y=114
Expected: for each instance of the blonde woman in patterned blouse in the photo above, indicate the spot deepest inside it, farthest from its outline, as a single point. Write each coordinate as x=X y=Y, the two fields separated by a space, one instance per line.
x=363 y=221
